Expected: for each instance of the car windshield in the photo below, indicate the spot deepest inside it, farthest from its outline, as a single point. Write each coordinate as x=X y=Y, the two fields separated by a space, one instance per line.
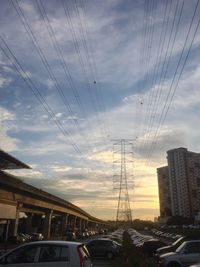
x=180 y=247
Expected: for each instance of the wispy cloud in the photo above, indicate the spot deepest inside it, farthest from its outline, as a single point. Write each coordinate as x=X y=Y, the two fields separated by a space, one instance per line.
x=116 y=49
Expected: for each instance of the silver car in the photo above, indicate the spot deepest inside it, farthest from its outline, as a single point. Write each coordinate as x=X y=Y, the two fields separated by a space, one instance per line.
x=186 y=254
x=48 y=254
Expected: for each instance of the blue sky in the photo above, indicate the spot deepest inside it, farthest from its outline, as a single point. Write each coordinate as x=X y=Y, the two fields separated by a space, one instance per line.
x=103 y=70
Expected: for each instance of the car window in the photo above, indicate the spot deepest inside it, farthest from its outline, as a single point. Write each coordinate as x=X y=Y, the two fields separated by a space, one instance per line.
x=53 y=253
x=193 y=247
x=22 y=255
x=93 y=243
x=107 y=243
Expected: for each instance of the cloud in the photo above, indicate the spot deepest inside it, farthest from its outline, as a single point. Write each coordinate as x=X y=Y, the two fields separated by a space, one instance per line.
x=7 y=123
x=4 y=82
x=60 y=168
x=116 y=37
x=26 y=174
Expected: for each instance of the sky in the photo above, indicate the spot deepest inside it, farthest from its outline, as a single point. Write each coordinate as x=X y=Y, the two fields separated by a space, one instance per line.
x=75 y=76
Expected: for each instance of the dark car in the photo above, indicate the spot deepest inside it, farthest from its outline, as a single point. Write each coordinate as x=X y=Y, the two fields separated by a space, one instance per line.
x=150 y=246
x=17 y=239
x=36 y=236
x=103 y=247
x=80 y=235
x=70 y=235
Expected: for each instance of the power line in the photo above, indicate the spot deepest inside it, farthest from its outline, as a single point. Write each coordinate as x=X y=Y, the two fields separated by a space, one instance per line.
x=173 y=90
x=76 y=45
x=17 y=65
x=45 y=63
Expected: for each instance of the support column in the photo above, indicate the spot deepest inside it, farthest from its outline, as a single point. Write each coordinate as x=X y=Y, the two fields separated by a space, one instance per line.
x=86 y=224
x=65 y=219
x=19 y=205
x=79 y=224
x=47 y=224
x=82 y=225
x=29 y=222
x=74 y=223
x=7 y=230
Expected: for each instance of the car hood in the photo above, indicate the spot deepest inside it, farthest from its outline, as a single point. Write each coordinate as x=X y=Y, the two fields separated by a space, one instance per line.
x=163 y=248
x=169 y=254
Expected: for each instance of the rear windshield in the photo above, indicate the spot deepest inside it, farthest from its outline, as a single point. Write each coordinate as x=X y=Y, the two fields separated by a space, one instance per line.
x=84 y=252
x=178 y=241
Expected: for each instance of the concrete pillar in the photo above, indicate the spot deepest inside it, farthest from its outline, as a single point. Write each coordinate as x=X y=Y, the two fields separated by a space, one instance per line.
x=7 y=230
x=79 y=223
x=74 y=223
x=86 y=225
x=19 y=205
x=69 y=223
x=82 y=227
x=29 y=222
x=47 y=224
x=65 y=220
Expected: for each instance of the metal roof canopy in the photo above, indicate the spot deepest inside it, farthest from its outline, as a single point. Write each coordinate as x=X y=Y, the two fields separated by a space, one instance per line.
x=7 y=162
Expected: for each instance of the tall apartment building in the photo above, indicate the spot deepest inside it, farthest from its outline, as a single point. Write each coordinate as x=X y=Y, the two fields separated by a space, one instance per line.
x=164 y=193
x=183 y=182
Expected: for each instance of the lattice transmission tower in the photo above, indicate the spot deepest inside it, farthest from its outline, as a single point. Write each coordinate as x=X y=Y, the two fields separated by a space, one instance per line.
x=123 y=178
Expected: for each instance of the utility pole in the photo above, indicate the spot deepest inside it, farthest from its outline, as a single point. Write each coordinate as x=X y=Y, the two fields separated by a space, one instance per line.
x=122 y=172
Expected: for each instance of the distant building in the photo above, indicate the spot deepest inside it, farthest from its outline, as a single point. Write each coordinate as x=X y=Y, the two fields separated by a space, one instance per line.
x=164 y=192
x=179 y=184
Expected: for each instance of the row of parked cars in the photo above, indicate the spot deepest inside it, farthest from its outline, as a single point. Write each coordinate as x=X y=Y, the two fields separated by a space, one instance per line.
x=23 y=238
x=183 y=251
x=63 y=253
x=79 y=235
x=145 y=243
x=71 y=235
x=170 y=236
x=107 y=245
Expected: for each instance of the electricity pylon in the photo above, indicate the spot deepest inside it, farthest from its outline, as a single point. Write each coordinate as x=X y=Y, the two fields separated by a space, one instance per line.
x=122 y=172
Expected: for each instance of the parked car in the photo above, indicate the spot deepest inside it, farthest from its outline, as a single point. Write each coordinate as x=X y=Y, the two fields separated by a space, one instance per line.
x=25 y=237
x=70 y=235
x=79 y=235
x=175 y=245
x=103 y=247
x=149 y=247
x=48 y=253
x=36 y=236
x=16 y=239
x=185 y=255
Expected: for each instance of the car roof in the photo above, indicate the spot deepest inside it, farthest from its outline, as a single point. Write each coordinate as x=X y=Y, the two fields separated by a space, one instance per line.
x=58 y=242
x=102 y=239
x=46 y=242
x=192 y=241
x=53 y=242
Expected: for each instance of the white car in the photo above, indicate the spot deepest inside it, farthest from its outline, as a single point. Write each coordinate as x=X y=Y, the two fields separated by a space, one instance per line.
x=48 y=254
x=186 y=254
